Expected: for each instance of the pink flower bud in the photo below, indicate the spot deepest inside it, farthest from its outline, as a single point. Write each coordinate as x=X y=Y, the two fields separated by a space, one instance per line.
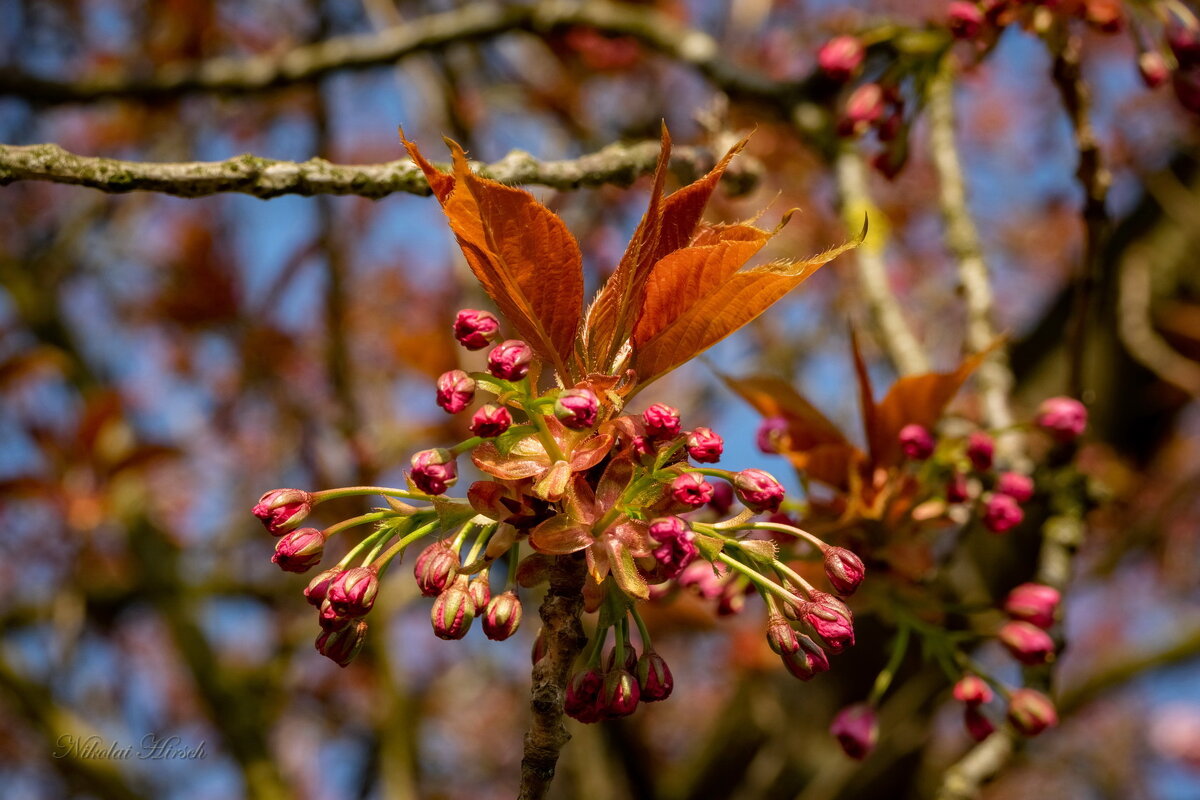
x=863 y=109
x=830 y=620
x=758 y=490
x=642 y=448
x=965 y=19
x=315 y=592
x=352 y=593
x=771 y=436
x=1184 y=41
x=434 y=471
x=453 y=611
x=1064 y=418
x=620 y=695
x=722 y=499
x=840 y=58
x=1031 y=712
x=655 y=681
x=978 y=725
x=577 y=409
x=677 y=545
x=491 y=420
x=704 y=446
x=480 y=591
x=662 y=421
x=856 y=729
x=808 y=661
x=957 y=490
x=341 y=646
x=629 y=657
x=1153 y=68
x=972 y=690
x=474 y=330
x=435 y=567
x=300 y=550
x=329 y=619
x=781 y=636
x=844 y=570
x=582 y=699
x=455 y=391
x=691 y=489
x=1017 y=486
x=502 y=616
x=1027 y=643
x=1001 y=513
x=1034 y=603
x=280 y=510
x=980 y=451
x=510 y=360
x=916 y=442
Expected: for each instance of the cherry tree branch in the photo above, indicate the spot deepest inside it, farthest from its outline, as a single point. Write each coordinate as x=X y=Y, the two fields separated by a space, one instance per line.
x=619 y=164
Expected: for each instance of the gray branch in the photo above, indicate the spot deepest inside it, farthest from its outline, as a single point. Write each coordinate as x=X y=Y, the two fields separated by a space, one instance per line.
x=619 y=164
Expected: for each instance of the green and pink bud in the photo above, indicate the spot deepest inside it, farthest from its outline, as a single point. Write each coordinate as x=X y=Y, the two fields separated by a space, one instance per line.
x=318 y=587
x=840 y=58
x=808 y=661
x=758 y=490
x=1034 y=603
x=1001 y=513
x=916 y=442
x=510 y=360
x=435 y=568
x=491 y=420
x=455 y=391
x=972 y=690
x=480 y=591
x=342 y=645
x=1153 y=68
x=691 y=489
x=978 y=726
x=475 y=329
x=352 y=593
x=1027 y=643
x=781 y=636
x=655 y=681
x=856 y=729
x=329 y=619
x=453 y=611
x=662 y=421
x=281 y=510
x=582 y=700
x=1064 y=418
x=830 y=620
x=434 y=471
x=1031 y=712
x=844 y=570
x=620 y=695
x=577 y=409
x=299 y=550
x=502 y=616
x=704 y=446
x=864 y=108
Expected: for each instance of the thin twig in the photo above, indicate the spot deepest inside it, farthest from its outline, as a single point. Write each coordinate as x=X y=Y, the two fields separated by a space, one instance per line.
x=891 y=328
x=1137 y=331
x=264 y=178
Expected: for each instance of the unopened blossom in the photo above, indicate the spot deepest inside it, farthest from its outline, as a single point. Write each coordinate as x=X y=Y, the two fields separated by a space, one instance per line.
x=491 y=420
x=844 y=570
x=510 y=360
x=577 y=409
x=704 y=446
x=771 y=435
x=342 y=645
x=435 y=567
x=480 y=591
x=655 y=681
x=916 y=442
x=1016 y=485
x=352 y=593
x=620 y=695
x=1153 y=68
x=676 y=545
x=856 y=729
x=434 y=471
x=758 y=490
x=863 y=109
x=455 y=391
x=1001 y=513
x=475 y=329
x=840 y=57
x=829 y=619
x=1064 y=418
x=582 y=701
x=299 y=550
x=329 y=619
x=691 y=489
x=781 y=636
x=281 y=510
x=981 y=450
x=1027 y=643
x=453 y=611
x=1034 y=603
x=965 y=20
x=501 y=617
x=806 y=662
x=972 y=690
x=977 y=724
x=661 y=421
x=957 y=490
x=319 y=586
x=1031 y=712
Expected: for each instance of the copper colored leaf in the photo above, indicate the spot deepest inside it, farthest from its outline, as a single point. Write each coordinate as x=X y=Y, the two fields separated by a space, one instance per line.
x=866 y=398
x=828 y=463
x=559 y=536
x=772 y=397
x=509 y=467
x=625 y=571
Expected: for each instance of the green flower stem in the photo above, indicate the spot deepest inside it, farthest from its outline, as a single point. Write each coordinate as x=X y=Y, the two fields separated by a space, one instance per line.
x=399 y=547
x=884 y=680
x=789 y=573
x=514 y=558
x=544 y=435
x=757 y=579
x=790 y=530
x=400 y=528
x=374 y=516
x=621 y=634
x=485 y=533
x=461 y=536
x=353 y=491
x=666 y=454
x=466 y=445
x=647 y=645
x=383 y=534
x=710 y=472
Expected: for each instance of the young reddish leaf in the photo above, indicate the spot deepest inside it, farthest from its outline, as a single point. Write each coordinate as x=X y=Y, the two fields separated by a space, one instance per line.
x=521 y=252
x=866 y=397
x=440 y=182
x=720 y=310
x=830 y=464
x=772 y=397
x=560 y=535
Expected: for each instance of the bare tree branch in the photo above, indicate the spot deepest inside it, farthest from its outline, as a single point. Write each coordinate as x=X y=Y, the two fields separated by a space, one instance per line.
x=619 y=164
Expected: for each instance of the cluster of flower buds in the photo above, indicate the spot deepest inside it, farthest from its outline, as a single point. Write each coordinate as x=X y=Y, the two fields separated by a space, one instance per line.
x=1029 y=711
x=1031 y=608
